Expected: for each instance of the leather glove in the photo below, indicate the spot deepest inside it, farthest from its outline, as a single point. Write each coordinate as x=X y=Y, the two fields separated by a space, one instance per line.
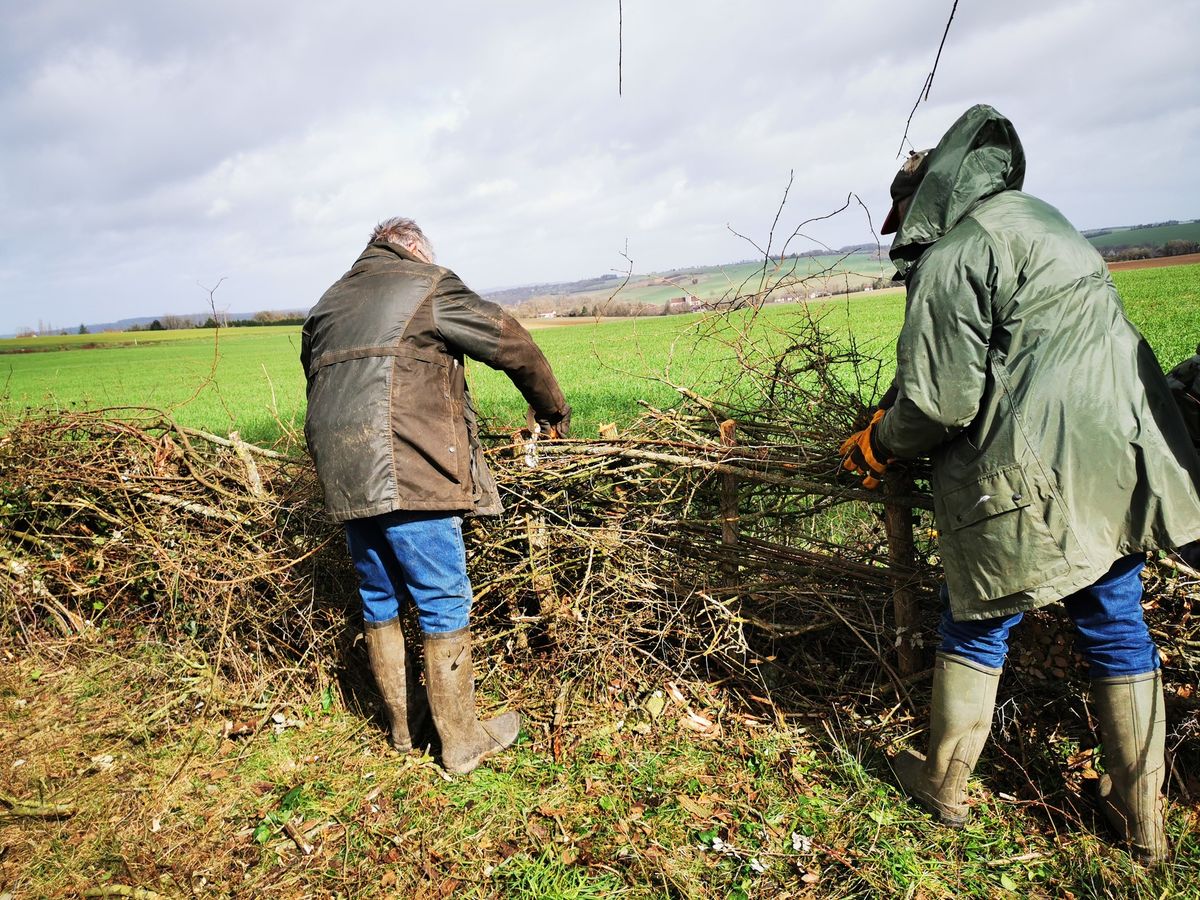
x=555 y=426
x=864 y=455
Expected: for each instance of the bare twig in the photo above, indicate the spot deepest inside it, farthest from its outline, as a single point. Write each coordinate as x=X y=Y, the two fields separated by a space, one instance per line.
x=121 y=890
x=24 y=809
x=298 y=839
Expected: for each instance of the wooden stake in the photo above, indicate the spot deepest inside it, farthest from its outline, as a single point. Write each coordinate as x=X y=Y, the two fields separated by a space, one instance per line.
x=729 y=501
x=902 y=555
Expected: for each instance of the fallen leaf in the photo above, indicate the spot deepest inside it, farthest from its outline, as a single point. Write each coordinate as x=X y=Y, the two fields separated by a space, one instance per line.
x=699 y=723
x=696 y=809
x=655 y=704
x=234 y=729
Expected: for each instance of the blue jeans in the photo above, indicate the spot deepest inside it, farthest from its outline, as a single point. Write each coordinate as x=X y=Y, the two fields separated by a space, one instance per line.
x=420 y=557
x=1108 y=615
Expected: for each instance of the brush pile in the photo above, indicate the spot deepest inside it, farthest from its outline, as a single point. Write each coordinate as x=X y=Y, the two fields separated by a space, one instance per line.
x=682 y=543
x=712 y=539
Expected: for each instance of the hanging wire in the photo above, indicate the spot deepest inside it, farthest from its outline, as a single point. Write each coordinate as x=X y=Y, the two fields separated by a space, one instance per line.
x=924 y=92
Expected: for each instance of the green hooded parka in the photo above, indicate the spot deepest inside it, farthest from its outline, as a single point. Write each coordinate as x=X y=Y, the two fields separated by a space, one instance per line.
x=1055 y=442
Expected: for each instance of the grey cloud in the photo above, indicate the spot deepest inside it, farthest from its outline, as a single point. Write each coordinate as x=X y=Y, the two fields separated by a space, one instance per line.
x=169 y=143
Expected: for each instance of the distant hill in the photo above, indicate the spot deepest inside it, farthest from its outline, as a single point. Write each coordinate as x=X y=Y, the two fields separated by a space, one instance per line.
x=817 y=272
x=514 y=295
x=803 y=276
x=662 y=286
x=142 y=322
x=1154 y=238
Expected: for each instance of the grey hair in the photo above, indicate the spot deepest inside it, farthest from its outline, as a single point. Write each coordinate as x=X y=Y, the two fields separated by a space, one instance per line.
x=404 y=233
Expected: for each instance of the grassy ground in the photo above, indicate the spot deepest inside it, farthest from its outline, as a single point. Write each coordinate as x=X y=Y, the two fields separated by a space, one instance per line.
x=608 y=369
x=134 y=742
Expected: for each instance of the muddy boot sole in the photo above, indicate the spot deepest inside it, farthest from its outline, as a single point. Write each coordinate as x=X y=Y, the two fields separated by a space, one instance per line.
x=909 y=767
x=494 y=736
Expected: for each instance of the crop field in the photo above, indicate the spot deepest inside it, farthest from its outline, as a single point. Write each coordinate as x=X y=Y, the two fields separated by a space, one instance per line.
x=256 y=384
x=1147 y=237
x=249 y=378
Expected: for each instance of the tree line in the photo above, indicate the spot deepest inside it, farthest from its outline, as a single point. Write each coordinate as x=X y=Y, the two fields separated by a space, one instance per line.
x=176 y=323
x=1177 y=247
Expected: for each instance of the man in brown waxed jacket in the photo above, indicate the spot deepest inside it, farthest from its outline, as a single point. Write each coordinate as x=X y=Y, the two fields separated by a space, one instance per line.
x=392 y=430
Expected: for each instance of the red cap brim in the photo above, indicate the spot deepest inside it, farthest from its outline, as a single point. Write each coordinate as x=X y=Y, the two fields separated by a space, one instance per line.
x=892 y=222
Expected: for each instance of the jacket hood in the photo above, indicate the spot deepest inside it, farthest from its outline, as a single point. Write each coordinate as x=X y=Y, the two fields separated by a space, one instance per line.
x=979 y=156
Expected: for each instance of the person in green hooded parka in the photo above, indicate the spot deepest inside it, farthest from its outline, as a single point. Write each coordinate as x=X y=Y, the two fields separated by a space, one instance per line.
x=1059 y=459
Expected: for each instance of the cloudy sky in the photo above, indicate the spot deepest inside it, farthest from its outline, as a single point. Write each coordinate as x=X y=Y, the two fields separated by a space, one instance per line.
x=149 y=147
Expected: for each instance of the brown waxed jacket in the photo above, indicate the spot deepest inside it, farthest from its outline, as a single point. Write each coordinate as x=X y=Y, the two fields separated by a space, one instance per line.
x=390 y=424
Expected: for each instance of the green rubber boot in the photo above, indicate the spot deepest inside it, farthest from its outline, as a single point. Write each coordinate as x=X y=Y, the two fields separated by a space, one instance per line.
x=465 y=740
x=1133 y=727
x=407 y=708
x=964 y=697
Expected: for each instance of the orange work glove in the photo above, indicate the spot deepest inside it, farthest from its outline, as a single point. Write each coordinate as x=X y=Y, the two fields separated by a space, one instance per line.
x=864 y=455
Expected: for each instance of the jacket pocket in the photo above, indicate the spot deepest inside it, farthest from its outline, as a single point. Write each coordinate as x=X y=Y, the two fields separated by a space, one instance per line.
x=995 y=541
x=427 y=431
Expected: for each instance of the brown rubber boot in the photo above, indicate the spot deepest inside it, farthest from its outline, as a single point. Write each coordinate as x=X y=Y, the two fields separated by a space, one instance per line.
x=964 y=697
x=407 y=708
x=465 y=740
x=1133 y=727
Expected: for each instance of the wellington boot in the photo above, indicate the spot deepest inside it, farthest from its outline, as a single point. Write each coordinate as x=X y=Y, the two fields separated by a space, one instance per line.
x=407 y=708
x=465 y=740
x=964 y=697
x=1133 y=727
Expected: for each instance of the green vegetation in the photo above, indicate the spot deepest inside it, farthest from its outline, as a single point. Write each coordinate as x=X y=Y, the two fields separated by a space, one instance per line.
x=1147 y=237
x=1165 y=304
x=256 y=385
x=607 y=368
x=133 y=743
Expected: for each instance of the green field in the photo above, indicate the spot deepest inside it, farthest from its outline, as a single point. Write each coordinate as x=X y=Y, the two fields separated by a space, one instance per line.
x=1147 y=237
x=606 y=368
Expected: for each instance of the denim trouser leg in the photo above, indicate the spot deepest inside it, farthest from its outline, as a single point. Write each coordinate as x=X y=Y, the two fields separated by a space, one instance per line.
x=1108 y=615
x=418 y=556
x=982 y=641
